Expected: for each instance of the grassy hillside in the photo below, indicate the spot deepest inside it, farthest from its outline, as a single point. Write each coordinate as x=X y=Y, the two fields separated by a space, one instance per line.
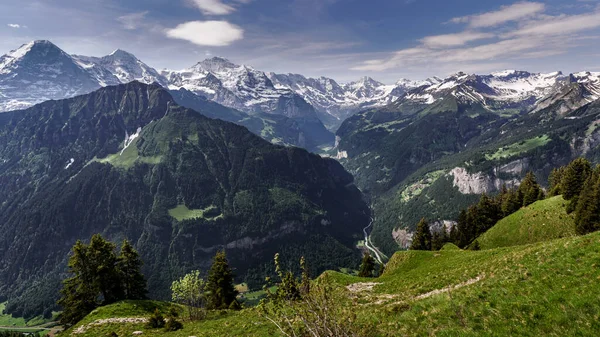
x=542 y=221
x=548 y=288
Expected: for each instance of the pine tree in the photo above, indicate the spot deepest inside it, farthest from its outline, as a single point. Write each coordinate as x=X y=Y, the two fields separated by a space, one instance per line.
x=439 y=238
x=95 y=281
x=464 y=230
x=555 y=181
x=422 y=237
x=129 y=265
x=78 y=294
x=219 y=285
x=367 y=267
x=512 y=202
x=587 y=213
x=574 y=176
x=530 y=189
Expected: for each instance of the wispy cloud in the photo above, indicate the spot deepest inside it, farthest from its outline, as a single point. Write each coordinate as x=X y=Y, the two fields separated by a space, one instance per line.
x=132 y=21
x=537 y=36
x=207 y=33
x=14 y=25
x=213 y=7
x=457 y=39
x=513 y=12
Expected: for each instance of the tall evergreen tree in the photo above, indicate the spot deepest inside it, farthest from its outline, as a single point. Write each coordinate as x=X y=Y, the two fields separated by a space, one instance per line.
x=422 y=237
x=95 y=281
x=574 y=176
x=221 y=292
x=367 y=267
x=512 y=202
x=530 y=189
x=555 y=181
x=587 y=213
x=129 y=267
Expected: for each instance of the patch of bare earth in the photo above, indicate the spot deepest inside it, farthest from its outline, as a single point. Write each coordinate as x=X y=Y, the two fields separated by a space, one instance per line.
x=122 y=320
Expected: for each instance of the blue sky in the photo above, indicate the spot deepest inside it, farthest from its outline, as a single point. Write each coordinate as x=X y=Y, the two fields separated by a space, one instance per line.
x=342 y=39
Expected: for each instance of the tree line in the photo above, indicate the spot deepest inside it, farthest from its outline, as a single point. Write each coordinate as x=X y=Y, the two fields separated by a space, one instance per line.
x=578 y=183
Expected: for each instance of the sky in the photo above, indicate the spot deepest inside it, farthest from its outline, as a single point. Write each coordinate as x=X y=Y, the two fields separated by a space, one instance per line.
x=342 y=39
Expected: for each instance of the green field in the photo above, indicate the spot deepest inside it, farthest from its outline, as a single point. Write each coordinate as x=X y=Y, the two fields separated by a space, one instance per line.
x=129 y=157
x=7 y=322
x=181 y=212
x=518 y=148
x=542 y=221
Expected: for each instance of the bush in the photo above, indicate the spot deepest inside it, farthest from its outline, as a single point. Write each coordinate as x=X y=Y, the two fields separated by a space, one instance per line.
x=156 y=321
x=173 y=324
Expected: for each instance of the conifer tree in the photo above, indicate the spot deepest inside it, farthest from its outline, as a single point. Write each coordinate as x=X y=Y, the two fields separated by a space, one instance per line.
x=555 y=181
x=512 y=202
x=587 y=213
x=132 y=281
x=530 y=189
x=422 y=237
x=95 y=281
x=575 y=174
x=221 y=291
x=367 y=267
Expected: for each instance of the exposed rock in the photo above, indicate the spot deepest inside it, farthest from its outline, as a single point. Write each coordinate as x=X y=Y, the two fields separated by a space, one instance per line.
x=480 y=183
x=402 y=237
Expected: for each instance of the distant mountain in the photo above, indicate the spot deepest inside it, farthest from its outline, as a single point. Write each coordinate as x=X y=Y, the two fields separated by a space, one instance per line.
x=441 y=145
x=40 y=71
x=128 y=162
x=125 y=66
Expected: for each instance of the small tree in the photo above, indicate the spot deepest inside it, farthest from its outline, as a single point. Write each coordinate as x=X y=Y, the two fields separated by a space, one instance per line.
x=156 y=320
x=132 y=280
x=530 y=189
x=367 y=267
x=220 y=288
x=190 y=291
x=422 y=238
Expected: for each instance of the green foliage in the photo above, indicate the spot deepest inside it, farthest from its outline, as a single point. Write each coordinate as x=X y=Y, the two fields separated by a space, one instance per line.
x=190 y=291
x=587 y=211
x=367 y=267
x=530 y=190
x=129 y=267
x=172 y=324
x=98 y=278
x=219 y=285
x=574 y=176
x=422 y=237
x=156 y=320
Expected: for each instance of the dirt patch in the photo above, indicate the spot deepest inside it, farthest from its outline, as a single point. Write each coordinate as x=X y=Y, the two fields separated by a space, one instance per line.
x=122 y=320
x=454 y=287
x=362 y=287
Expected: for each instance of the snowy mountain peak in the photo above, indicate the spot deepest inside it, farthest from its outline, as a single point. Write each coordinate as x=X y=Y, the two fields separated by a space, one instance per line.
x=216 y=64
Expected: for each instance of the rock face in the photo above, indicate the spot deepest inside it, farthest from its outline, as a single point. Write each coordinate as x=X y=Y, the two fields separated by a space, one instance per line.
x=480 y=183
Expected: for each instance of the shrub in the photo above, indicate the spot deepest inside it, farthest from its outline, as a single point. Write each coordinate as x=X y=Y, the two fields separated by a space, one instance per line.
x=156 y=321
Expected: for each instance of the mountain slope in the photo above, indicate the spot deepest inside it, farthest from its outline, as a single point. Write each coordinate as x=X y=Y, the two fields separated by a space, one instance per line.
x=549 y=288
x=127 y=161
x=542 y=221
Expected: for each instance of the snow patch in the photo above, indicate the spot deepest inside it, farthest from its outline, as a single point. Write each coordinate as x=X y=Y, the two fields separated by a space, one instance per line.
x=130 y=138
x=71 y=161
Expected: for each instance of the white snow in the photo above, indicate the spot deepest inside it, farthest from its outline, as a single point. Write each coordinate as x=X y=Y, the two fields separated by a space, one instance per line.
x=129 y=139
x=71 y=161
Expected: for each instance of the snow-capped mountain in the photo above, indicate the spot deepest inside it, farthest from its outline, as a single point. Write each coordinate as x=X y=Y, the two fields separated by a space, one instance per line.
x=124 y=66
x=342 y=100
x=240 y=87
x=40 y=71
x=509 y=90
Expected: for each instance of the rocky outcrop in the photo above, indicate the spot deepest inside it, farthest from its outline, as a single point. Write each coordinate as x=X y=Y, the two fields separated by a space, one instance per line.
x=480 y=183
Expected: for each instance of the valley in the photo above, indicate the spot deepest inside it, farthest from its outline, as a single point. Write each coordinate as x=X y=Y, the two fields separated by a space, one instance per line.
x=431 y=189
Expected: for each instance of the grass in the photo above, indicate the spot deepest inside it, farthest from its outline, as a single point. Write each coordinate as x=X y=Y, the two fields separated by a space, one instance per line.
x=9 y=323
x=247 y=322
x=181 y=212
x=518 y=148
x=542 y=221
x=129 y=157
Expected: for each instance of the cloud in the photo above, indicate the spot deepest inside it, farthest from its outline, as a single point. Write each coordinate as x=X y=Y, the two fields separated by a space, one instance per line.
x=536 y=37
x=517 y=11
x=559 y=25
x=213 y=7
x=132 y=21
x=14 y=25
x=207 y=33
x=458 y=39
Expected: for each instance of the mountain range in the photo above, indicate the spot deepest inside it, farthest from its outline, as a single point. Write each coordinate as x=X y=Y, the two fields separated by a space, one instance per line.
x=128 y=162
